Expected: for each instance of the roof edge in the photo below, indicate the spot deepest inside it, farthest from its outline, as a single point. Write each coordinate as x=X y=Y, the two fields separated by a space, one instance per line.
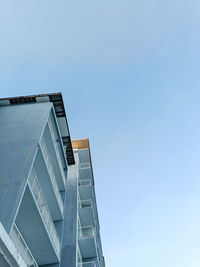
x=57 y=100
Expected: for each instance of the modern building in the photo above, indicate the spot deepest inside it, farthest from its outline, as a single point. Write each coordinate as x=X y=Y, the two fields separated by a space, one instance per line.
x=48 y=211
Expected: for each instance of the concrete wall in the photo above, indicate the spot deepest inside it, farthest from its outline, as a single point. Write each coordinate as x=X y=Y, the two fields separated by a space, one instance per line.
x=68 y=254
x=20 y=129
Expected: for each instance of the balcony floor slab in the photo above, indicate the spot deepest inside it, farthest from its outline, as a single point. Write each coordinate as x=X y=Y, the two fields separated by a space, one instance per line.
x=32 y=228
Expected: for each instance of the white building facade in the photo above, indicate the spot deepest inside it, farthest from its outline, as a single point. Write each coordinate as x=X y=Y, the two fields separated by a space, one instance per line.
x=48 y=211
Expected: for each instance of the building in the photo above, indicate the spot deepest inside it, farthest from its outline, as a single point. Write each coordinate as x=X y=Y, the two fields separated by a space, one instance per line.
x=48 y=212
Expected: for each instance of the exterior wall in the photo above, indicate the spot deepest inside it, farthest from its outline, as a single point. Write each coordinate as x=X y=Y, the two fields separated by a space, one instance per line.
x=83 y=161
x=36 y=181
x=20 y=129
x=69 y=241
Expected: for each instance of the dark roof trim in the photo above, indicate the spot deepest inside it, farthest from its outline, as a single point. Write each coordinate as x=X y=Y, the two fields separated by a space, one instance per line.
x=57 y=100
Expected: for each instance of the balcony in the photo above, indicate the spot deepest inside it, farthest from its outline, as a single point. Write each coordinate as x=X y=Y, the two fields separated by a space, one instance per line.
x=9 y=255
x=49 y=186
x=87 y=242
x=55 y=144
x=86 y=182
x=85 y=171
x=84 y=165
x=85 y=189
x=87 y=264
x=86 y=212
x=22 y=247
x=50 y=143
x=44 y=211
x=36 y=225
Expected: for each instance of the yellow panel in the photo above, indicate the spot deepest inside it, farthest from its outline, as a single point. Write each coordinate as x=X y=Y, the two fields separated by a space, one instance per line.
x=81 y=143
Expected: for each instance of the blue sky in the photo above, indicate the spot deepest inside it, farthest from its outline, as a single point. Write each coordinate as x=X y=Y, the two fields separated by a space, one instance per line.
x=129 y=73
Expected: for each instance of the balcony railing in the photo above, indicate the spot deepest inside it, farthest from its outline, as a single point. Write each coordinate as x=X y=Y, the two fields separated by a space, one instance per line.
x=84 y=165
x=21 y=246
x=79 y=257
x=8 y=251
x=44 y=211
x=85 y=189
x=86 y=232
x=85 y=182
x=85 y=203
x=52 y=131
x=87 y=264
x=51 y=174
x=87 y=242
x=86 y=213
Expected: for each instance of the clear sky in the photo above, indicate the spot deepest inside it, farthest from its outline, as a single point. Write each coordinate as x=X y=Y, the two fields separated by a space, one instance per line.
x=129 y=71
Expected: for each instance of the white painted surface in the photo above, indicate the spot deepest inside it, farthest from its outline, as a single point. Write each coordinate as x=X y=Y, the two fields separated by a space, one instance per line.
x=4 y=102
x=63 y=126
x=41 y=99
x=10 y=253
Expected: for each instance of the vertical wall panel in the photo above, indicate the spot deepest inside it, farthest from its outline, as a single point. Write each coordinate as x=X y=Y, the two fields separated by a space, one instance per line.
x=20 y=129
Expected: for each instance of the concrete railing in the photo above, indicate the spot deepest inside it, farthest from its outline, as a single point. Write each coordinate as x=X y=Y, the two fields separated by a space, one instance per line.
x=86 y=232
x=44 y=210
x=22 y=247
x=51 y=174
x=84 y=165
x=85 y=182
x=9 y=251
x=54 y=139
x=85 y=203
x=87 y=264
